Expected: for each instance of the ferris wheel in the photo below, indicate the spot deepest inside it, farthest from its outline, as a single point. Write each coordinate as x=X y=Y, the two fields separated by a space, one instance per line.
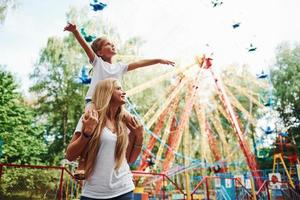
x=198 y=93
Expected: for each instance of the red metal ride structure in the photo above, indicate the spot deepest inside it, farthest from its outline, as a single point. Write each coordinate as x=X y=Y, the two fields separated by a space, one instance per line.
x=286 y=150
x=211 y=139
x=237 y=127
x=213 y=146
x=176 y=133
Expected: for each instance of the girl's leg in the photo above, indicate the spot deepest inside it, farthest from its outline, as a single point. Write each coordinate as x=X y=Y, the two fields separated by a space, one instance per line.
x=79 y=172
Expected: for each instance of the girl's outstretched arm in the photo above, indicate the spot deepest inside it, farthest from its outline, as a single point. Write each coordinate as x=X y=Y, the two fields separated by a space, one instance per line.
x=147 y=62
x=88 y=50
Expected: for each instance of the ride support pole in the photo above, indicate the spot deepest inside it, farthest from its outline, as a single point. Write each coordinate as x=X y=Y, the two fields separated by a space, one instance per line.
x=207 y=188
x=268 y=193
x=163 y=191
x=253 y=187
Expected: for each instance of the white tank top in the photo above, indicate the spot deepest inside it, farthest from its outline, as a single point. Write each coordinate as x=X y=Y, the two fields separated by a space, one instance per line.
x=105 y=181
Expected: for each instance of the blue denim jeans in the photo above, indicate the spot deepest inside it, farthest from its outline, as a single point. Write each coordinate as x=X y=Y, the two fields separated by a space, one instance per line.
x=127 y=196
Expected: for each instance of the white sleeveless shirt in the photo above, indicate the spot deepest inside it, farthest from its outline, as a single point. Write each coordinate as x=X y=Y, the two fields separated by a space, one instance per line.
x=106 y=182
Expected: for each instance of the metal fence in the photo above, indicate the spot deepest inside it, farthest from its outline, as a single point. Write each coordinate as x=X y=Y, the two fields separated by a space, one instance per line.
x=37 y=182
x=24 y=182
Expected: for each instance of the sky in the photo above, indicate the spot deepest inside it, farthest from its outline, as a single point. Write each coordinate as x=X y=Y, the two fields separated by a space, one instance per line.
x=172 y=29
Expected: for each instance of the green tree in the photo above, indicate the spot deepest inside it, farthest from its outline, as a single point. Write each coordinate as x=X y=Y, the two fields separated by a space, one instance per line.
x=4 y=6
x=23 y=139
x=286 y=82
x=59 y=97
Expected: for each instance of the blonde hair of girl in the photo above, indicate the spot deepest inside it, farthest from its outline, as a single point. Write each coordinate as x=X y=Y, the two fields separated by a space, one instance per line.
x=97 y=44
x=101 y=103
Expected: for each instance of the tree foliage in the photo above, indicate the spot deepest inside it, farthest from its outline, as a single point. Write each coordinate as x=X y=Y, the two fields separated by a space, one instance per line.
x=23 y=139
x=4 y=6
x=59 y=96
x=286 y=82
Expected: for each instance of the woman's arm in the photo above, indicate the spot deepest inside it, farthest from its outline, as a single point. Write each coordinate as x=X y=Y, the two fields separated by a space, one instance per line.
x=135 y=139
x=77 y=145
x=131 y=139
x=79 y=141
x=136 y=149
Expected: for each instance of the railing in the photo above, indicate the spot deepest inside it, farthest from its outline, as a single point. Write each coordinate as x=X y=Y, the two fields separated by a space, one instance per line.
x=37 y=182
x=263 y=192
x=223 y=193
x=162 y=193
x=50 y=182
x=277 y=190
x=288 y=192
x=207 y=188
x=24 y=182
x=293 y=193
x=242 y=193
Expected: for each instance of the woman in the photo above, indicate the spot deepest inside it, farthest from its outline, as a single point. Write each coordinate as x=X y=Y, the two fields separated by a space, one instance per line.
x=110 y=147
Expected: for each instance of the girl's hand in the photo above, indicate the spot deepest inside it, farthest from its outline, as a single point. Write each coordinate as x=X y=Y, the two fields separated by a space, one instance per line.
x=166 y=62
x=135 y=127
x=70 y=27
x=90 y=121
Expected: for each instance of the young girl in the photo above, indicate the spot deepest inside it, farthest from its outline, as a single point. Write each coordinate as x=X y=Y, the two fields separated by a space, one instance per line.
x=100 y=55
x=110 y=148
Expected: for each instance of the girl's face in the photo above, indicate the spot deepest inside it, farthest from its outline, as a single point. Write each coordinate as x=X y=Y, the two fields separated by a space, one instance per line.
x=118 y=96
x=107 y=49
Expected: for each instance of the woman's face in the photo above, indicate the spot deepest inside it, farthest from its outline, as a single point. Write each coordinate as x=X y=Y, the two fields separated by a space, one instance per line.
x=118 y=96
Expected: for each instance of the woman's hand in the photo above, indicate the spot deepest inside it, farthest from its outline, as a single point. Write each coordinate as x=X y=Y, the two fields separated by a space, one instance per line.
x=90 y=122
